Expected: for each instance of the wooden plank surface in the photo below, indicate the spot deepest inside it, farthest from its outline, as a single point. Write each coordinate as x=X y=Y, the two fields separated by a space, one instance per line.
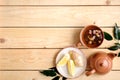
x=59 y=2
x=35 y=75
x=65 y=16
x=37 y=59
x=36 y=30
x=44 y=37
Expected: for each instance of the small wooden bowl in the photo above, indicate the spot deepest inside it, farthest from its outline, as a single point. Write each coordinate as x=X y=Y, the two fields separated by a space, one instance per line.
x=84 y=32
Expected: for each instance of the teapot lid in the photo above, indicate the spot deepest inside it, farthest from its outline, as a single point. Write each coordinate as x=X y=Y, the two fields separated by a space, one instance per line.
x=103 y=65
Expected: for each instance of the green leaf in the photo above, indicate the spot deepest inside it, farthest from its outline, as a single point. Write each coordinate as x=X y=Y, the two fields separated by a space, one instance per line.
x=117 y=44
x=52 y=68
x=116 y=32
x=119 y=54
x=48 y=73
x=55 y=69
x=56 y=78
x=119 y=34
x=64 y=78
x=114 y=48
x=107 y=36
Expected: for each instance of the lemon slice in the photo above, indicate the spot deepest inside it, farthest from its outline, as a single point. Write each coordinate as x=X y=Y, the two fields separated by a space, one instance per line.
x=71 y=67
x=64 y=60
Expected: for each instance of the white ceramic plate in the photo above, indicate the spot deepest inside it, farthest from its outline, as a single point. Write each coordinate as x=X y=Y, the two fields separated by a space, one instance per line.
x=63 y=69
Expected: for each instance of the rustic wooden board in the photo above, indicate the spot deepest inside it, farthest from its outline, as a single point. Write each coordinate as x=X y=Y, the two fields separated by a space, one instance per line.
x=37 y=59
x=36 y=30
x=44 y=37
x=35 y=75
x=65 y=16
x=59 y=2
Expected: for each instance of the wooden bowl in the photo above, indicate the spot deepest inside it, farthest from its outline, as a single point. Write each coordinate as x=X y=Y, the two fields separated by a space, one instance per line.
x=91 y=36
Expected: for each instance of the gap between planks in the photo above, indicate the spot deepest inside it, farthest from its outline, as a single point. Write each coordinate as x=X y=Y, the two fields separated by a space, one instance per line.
x=59 y=2
x=35 y=75
x=53 y=5
x=41 y=69
x=50 y=26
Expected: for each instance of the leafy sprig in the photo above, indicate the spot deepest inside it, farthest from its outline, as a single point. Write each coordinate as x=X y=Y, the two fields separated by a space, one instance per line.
x=64 y=78
x=52 y=72
x=107 y=36
x=115 y=47
x=116 y=34
x=119 y=54
x=56 y=78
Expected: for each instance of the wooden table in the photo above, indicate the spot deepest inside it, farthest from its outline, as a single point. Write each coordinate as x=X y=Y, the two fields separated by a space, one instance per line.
x=32 y=32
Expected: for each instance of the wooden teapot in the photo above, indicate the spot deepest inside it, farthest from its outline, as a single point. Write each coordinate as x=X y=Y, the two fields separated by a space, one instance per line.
x=100 y=62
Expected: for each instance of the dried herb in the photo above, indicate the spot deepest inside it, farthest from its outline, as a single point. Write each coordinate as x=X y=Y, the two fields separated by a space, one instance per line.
x=48 y=73
x=107 y=36
x=56 y=78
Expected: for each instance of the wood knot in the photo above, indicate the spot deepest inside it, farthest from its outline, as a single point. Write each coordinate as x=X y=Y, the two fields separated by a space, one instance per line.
x=94 y=22
x=108 y=2
x=33 y=79
x=2 y=40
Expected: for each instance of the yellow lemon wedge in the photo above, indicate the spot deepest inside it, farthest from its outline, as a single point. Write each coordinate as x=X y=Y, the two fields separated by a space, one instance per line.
x=64 y=60
x=71 y=67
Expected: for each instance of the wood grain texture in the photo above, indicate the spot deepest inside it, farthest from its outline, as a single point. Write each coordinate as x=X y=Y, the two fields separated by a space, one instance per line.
x=44 y=37
x=37 y=59
x=65 y=16
x=59 y=2
x=59 y=22
x=35 y=75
